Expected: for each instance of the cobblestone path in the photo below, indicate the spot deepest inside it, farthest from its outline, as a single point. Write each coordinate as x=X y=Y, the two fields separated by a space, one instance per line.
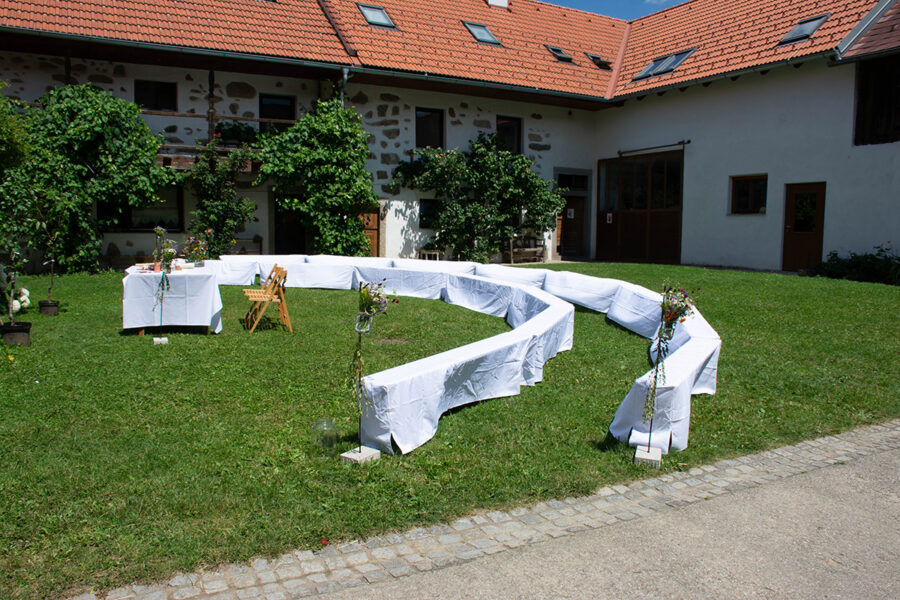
x=305 y=573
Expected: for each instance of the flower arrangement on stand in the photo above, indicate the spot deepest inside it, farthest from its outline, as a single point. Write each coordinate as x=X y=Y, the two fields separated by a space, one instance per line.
x=373 y=301
x=163 y=256
x=677 y=304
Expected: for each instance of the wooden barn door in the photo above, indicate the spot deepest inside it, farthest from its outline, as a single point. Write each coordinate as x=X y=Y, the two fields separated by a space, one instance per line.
x=639 y=200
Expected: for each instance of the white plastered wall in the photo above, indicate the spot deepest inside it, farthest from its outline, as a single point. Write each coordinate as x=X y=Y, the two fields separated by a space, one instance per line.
x=795 y=125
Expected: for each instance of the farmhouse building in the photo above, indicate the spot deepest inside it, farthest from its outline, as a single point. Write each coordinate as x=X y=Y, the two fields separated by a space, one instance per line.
x=760 y=134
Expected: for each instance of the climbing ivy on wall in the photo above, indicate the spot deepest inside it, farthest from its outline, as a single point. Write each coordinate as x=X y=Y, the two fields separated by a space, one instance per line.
x=221 y=211
x=485 y=196
x=318 y=168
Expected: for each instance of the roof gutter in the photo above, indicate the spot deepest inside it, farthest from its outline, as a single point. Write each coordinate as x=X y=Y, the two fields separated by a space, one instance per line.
x=178 y=49
x=725 y=75
x=339 y=68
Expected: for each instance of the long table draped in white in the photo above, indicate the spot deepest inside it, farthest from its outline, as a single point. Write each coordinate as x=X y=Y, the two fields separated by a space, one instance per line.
x=408 y=400
x=192 y=299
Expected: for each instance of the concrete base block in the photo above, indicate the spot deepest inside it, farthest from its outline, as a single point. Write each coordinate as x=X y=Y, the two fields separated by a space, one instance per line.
x=360 y=454
x=652 y=457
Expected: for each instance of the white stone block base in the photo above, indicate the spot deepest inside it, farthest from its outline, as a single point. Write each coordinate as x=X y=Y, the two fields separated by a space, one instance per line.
x=360 y=454
x=652 y=457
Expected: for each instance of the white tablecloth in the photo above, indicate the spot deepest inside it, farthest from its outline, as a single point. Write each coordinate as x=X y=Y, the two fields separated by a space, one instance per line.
x=192 y=299
x=410 y=399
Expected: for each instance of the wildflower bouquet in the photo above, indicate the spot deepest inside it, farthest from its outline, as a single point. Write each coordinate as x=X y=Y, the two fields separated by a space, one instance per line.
x=373 y=301
x=676 y=305
x=194 y=249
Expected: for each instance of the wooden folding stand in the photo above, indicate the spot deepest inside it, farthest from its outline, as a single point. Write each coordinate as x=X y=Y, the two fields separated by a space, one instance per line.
x=272 y=290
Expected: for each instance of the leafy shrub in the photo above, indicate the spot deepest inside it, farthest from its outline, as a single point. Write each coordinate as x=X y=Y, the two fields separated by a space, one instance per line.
x=881 y=266
x=221 y=212
x=87 y=146
x=486 y=196
x=318 y=166
x=237 y=131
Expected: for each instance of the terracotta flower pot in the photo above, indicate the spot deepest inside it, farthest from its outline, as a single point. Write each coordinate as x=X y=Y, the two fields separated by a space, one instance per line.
x=16 y=334
x=49 y=307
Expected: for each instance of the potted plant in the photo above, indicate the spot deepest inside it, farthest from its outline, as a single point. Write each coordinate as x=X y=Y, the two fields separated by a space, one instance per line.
x=14 y=299
x=49 y=306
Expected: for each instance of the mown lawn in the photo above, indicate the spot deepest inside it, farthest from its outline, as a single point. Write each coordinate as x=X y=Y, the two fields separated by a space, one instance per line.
x=125 y=461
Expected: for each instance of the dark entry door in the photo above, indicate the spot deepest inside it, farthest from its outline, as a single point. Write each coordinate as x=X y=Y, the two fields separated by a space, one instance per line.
x=804 y=219
x=572 y=240
x=290 y=235
x=639 y=216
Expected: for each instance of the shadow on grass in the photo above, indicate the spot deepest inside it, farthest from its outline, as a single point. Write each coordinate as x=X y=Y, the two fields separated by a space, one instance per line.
x=608 y=443
x=266 y=323
x=156 y=331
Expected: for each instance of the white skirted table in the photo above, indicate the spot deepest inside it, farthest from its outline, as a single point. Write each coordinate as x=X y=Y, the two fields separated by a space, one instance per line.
x=192 y=299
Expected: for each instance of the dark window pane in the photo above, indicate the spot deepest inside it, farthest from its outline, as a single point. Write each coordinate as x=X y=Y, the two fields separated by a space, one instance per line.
x=673 y=181
x=805 y=213
x=657 y=182
x=626 y=181
x=427 y=214
x=509 y=134
x=579 y=183
x=641 y=183
x=878 y=101
x=155 y=95
x=272 y=106
x=429 y=128
x=748 y=195
x=611 y=173
x=166 y=214
x=759 y=195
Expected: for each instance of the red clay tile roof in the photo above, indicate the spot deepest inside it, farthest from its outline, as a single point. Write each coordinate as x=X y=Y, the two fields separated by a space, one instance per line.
x=729 y=36
x=430 y=38
x=286 y=28
x=882 y=36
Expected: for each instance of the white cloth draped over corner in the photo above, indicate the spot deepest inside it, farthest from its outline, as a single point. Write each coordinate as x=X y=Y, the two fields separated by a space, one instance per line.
x=192 y=300
x=409 y=399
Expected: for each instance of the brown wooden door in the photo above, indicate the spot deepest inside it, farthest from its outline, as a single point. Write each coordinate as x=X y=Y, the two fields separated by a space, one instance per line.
x=804 y=220
x=572 y=237
x=640 y=199
x=371 y=226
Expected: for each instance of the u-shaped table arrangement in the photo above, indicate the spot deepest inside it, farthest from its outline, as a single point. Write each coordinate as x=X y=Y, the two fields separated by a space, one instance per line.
x=408 y=400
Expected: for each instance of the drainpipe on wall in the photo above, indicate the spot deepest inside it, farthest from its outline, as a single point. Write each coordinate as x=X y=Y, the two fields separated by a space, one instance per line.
x=345 y=75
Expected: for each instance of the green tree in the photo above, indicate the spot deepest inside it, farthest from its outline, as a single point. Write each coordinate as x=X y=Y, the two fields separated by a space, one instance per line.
x=221 y=211
x=318 y=166
x=87 y=147
x=486 y=196
x=13 y=139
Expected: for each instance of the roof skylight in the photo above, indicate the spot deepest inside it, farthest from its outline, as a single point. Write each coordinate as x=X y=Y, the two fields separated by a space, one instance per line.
x=481 y=33
x=664 y=64
x=597 y=60
x=375 y=15
x=559 y=53
x=803 y=30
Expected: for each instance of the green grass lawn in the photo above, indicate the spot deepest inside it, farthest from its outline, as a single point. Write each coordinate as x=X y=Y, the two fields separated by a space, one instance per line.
x=125 y=461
